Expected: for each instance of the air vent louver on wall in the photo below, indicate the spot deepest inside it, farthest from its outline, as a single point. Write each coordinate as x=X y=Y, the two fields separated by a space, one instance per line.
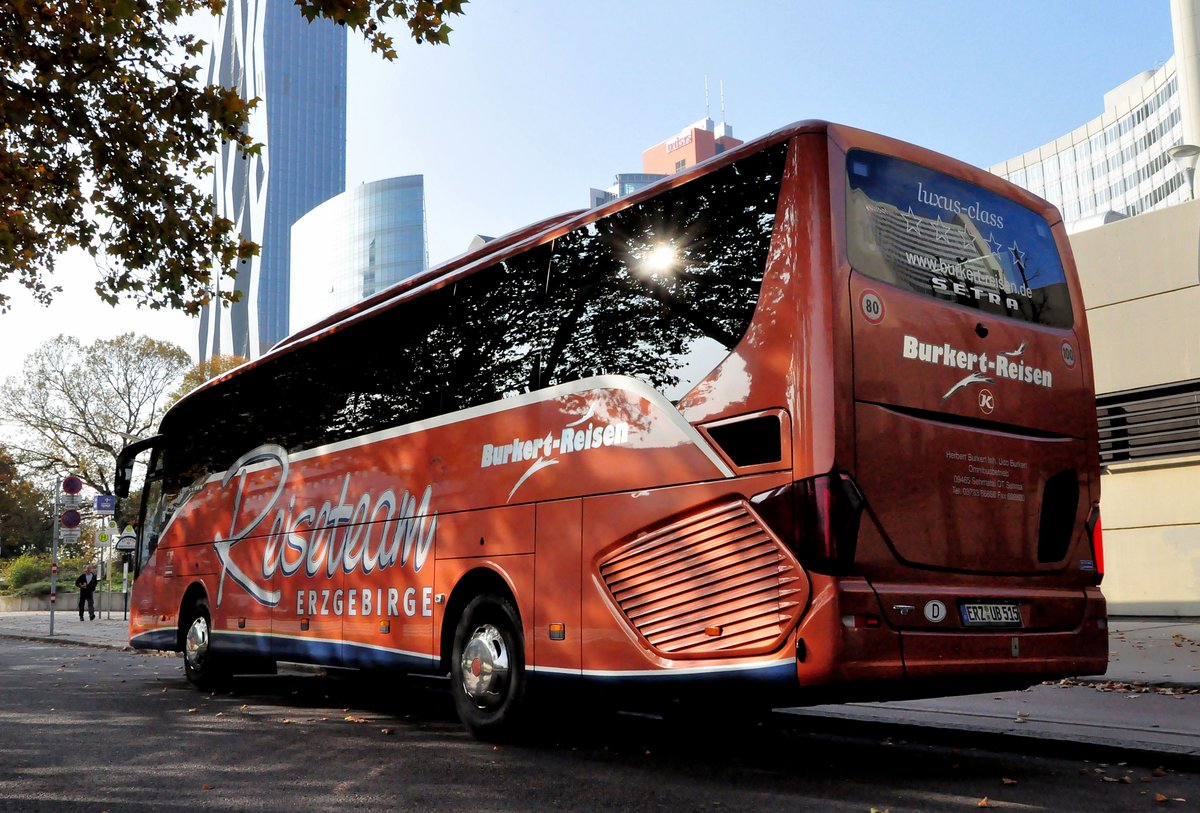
x=1150 y=423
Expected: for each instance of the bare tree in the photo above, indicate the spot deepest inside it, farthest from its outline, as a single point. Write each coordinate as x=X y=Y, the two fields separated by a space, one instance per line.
x=73 y=407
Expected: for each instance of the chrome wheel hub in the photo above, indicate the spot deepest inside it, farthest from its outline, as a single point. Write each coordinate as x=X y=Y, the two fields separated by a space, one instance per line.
x=195 y=645
x=485 y=667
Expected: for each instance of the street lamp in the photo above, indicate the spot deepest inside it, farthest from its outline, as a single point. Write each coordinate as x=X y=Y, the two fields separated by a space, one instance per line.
x=1185 y=157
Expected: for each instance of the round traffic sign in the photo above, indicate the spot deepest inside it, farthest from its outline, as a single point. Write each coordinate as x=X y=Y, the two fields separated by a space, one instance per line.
x=72 y=485
x=70 y=518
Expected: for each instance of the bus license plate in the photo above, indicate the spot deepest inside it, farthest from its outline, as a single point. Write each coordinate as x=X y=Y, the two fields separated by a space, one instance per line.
x=991 y=615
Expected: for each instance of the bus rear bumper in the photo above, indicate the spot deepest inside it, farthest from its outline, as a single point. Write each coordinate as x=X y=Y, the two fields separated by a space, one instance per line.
x=845 y=652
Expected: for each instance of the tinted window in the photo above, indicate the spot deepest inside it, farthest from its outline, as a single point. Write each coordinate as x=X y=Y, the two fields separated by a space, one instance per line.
x=661 y=291
x=949 y=239
x=665 y=289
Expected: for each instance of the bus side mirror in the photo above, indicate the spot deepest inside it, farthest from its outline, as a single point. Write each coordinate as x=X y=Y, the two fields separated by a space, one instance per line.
x=123 y=478
x=124 y=473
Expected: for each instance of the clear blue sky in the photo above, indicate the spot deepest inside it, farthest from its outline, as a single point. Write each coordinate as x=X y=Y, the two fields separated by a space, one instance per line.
x=533 y=102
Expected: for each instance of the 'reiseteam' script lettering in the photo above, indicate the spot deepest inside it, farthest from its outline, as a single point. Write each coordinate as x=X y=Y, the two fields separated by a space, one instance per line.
x=359 y=533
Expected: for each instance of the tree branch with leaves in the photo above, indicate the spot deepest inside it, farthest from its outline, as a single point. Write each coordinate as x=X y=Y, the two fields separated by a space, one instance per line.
x=106 y=128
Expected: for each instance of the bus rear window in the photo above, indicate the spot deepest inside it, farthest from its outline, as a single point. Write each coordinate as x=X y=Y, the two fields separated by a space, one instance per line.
x=944 y=237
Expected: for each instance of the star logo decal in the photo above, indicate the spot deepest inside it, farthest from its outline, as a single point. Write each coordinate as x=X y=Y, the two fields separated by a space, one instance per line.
x=941 y=231
x=912 y=222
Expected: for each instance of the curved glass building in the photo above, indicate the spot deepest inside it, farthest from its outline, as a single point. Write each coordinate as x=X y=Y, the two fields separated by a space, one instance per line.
x=1118 y=161
x=355 y=244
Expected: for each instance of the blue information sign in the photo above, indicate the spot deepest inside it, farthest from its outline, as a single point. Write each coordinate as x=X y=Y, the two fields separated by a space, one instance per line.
x=104 y=503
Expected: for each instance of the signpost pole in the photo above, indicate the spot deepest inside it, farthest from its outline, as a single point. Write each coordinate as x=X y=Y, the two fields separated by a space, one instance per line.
x=54 y=559
x=66 y=496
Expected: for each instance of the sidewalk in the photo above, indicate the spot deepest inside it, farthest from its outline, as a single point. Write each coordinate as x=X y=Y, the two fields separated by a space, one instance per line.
x=106 y=632
x=1147 y=705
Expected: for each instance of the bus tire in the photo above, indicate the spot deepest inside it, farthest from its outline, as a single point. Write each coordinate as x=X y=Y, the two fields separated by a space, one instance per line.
x=487 y=668
x=202 y=665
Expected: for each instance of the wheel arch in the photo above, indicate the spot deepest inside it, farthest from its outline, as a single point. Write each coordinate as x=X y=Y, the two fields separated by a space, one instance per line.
x=474 y=582
x=194 y=593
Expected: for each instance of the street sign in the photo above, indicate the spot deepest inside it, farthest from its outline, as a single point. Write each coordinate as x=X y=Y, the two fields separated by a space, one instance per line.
x=70 y=519
x=70 y=535
x=104 y=538
x=72 y=484
x=104 y=504
x=127 y=541
x=71 y=501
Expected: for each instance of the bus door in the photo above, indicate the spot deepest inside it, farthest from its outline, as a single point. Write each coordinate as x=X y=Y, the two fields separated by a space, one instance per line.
x=972 y=403
x=148 y=515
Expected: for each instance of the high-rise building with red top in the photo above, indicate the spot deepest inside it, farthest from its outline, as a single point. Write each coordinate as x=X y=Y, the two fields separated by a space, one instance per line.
x=690 y=146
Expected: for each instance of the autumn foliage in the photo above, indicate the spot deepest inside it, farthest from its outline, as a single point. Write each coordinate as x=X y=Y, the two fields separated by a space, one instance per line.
x=108 y=130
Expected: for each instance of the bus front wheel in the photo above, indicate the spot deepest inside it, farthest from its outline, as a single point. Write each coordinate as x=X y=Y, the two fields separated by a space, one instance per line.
x=201 y=664
x=487 y=668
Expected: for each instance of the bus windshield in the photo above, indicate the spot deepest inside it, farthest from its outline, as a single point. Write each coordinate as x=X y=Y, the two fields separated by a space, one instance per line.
x=939 y=235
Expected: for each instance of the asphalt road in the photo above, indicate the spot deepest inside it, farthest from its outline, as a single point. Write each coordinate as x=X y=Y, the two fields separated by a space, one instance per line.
x=97 y=730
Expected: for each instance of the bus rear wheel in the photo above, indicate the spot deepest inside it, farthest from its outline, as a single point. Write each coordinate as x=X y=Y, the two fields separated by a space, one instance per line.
x=203 y=667
x=487 y=668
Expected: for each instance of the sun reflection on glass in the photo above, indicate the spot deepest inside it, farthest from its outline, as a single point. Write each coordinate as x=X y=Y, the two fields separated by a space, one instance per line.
x=661 y=260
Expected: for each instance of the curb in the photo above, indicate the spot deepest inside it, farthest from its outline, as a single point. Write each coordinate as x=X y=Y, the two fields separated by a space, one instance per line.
x=1030 y=742
x=48 y=639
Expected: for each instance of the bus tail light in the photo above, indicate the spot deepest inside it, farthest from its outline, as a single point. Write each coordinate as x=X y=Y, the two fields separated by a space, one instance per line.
x=1096 y=537
x=860 y=621
x=818 y=518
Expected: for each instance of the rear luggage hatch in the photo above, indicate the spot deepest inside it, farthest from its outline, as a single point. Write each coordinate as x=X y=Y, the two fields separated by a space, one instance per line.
x=971 y=407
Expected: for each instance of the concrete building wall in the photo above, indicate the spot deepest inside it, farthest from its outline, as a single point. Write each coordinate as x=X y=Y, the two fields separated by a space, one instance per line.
x=1141 y=285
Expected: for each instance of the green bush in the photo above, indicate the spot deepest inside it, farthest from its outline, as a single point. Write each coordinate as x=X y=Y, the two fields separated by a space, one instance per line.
x=25 y=569
x=29 y=568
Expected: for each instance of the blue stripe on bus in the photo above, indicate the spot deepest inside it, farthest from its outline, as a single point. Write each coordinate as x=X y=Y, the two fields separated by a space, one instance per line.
x=784 y=673
x=333 y=653
x=329 y=653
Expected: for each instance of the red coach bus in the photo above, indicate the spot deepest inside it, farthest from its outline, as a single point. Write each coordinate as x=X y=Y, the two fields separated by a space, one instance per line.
x=813 y=420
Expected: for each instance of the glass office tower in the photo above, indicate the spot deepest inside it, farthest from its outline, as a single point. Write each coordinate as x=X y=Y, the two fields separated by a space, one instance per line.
x=266 y=49
x=355 y=244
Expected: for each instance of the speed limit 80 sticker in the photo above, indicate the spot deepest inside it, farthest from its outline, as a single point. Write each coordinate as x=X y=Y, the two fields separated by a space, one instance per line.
x=871 y=305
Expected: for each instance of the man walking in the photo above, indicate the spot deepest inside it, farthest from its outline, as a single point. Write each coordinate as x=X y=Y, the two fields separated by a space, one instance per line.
x=87 y=586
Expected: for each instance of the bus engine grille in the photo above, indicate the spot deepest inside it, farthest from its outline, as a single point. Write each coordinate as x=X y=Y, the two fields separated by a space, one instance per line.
x=716 y=584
